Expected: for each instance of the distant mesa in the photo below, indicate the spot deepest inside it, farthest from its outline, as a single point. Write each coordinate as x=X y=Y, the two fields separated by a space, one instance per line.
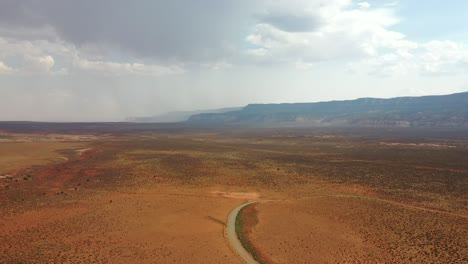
x=426 y=111
x=178 y=116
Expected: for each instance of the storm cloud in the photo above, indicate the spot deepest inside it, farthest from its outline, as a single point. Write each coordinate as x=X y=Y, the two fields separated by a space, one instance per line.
x=108 y=59
x=165 y=30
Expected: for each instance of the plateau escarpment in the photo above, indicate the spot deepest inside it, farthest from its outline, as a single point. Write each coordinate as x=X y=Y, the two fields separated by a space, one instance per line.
x=427 y=111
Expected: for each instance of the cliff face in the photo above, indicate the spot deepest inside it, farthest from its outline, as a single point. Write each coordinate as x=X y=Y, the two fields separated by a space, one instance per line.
x=427 y=111
x=180 y=116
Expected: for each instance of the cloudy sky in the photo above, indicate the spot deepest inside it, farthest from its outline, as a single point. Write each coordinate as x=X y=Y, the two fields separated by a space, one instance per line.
x=88 y=60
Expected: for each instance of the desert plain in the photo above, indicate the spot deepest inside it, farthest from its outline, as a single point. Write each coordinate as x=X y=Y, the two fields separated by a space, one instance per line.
x=122 y=194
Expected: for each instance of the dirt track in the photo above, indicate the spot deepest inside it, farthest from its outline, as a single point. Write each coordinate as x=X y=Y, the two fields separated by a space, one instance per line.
x=231 y=235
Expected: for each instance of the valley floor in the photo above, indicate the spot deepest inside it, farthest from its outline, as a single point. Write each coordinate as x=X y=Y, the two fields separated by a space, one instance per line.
x=165 y=197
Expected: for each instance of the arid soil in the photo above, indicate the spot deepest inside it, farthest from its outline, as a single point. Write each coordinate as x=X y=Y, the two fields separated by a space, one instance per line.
x=164 y=197
x=158 y=226
x=17 y=156
x=356 y=230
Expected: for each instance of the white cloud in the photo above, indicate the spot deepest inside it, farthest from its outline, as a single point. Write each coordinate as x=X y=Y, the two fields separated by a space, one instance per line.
x=342 y=32
x=444 y=57
x=220 y=65
x=39 y=57
x=290 y=32
x=364 y=5
x=300 y=65
x=431 y=58
x=395 y=3
x=5 y=69
x=38 y=64
x=355 y=34
x=32 y=57
x=114 y=68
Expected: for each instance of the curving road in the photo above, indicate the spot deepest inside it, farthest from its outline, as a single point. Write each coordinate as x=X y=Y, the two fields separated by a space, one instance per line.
x=234 y=241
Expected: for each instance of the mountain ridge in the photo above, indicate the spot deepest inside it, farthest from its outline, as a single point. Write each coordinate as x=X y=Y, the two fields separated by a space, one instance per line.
x=424 y=111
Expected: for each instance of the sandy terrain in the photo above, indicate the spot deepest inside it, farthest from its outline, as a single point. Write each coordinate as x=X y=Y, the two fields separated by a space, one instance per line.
x=17 y=156
x=159 y=226
x=355 y=230
x=165 y=198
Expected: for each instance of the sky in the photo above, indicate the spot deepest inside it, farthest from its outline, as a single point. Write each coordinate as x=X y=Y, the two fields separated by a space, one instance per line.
x=87 y=60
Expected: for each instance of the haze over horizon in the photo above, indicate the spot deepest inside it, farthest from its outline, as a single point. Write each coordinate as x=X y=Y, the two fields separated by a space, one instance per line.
x=103 y=61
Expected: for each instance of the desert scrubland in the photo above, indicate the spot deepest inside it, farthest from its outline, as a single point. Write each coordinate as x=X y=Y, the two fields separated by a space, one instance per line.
x=325 y=196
